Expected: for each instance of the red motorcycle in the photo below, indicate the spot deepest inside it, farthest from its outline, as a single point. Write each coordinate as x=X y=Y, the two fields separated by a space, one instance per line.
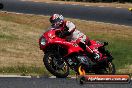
x=61 y=54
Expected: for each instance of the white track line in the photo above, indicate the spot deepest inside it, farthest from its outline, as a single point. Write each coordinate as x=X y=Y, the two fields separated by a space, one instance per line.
x=76 y=18
x=47 y=2
x=52 y=77
x=20 y=13
x=87 y=5
x=23 y=0
x=119 y=7
x=101 y=6
x=36 y=1
x=108 y=23
x=43 y=15
x=74 y=4
x=18 y=76
x=61 y=3
x=73 y=77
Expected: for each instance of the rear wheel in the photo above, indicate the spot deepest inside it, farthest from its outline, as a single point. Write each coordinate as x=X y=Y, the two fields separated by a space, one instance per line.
x=55 y=65
x=110 y=69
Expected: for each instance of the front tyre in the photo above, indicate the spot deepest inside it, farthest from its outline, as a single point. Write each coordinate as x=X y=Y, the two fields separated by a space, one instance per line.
x=56 y=67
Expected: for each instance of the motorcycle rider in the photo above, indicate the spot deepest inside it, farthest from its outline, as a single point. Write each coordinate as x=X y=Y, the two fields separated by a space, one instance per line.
x=69 y=30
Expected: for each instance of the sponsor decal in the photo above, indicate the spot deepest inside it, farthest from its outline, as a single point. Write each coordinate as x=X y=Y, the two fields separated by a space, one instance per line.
x=105 y=79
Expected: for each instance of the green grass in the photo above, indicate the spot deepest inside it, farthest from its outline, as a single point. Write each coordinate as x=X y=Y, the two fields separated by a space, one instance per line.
x=23 y=70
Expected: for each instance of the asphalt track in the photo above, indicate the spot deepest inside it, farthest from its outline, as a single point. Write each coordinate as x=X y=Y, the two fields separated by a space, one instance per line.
x=45 y=82
x=120 y=16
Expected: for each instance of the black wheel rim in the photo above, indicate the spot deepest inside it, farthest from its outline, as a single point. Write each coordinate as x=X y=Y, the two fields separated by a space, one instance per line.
x=52 y=61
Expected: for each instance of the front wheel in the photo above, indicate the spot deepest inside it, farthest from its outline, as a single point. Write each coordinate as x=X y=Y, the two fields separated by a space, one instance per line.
x=55 y=65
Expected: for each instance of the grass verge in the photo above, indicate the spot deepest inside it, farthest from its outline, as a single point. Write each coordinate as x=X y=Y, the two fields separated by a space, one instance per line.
x=23 y=70
x=19 y=50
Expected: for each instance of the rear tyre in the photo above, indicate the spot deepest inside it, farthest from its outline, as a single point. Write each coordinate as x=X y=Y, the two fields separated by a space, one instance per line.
x=109 y=69
x=60 y=70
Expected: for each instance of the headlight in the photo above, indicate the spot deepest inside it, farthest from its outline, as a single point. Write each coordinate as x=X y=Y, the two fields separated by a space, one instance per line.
x=43 y=41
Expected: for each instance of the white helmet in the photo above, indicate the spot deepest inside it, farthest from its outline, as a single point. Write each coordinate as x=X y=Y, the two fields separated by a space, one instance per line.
x=56 y=19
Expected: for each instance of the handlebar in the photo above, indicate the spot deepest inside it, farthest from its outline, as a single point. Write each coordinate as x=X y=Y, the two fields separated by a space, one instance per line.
x=59 y=33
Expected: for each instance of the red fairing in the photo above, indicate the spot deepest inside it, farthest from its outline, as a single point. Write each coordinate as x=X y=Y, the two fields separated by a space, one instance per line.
x=51 y=39
x=94 y=46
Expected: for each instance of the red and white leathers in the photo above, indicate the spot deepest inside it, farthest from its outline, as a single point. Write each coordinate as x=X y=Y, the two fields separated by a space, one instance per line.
x=75 y=35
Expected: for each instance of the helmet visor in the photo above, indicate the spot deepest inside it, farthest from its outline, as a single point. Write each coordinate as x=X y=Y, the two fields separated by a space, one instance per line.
x=55 y=21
